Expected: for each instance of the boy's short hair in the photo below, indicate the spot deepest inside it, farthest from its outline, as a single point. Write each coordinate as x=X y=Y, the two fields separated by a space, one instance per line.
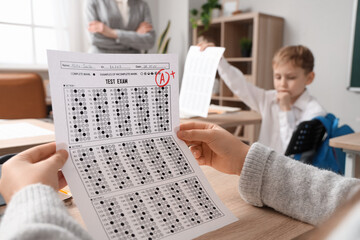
x=299 y=55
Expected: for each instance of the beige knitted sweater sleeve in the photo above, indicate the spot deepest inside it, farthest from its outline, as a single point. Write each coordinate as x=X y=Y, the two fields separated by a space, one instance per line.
x=295 y=189
x=36 y=212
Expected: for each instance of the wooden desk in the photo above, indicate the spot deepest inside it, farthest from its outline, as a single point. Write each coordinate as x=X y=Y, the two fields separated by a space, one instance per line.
x=229 y=119
x=350 y=144
x=16 y=145
x=253 y=223
x=235 y=119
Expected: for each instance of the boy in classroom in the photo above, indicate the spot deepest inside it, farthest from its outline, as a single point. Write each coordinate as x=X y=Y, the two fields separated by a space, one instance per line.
x=283 y=108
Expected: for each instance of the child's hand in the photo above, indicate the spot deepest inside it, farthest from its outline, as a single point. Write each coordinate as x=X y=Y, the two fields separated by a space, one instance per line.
x=40 y=164
x=284 y=100
x=203 y=45
x=213 y=146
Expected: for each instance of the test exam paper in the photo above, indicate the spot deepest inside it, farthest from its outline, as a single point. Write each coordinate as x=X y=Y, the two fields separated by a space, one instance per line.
x=131 y=177
x=198 y=80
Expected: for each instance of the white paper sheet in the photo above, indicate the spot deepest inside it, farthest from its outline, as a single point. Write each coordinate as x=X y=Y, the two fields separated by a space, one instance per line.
x=131 y=177
x=21 y=130
x=198 y=80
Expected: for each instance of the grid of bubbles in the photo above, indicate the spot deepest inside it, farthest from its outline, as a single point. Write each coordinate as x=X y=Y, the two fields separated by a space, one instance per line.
x=157 y=212
x=114 y=167
x=105 y=113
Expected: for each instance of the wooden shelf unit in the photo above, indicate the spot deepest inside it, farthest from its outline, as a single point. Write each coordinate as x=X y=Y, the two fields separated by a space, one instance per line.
x=266 y=33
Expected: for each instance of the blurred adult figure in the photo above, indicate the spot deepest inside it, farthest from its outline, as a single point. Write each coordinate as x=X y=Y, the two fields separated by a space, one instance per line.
x=119 y=26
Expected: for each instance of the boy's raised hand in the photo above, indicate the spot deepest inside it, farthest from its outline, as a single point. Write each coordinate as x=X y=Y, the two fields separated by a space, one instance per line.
x=39 y=164
x=213 y=146
x=203 y=45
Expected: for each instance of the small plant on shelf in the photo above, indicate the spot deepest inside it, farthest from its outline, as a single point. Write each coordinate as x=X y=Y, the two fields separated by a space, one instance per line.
x=245 y=46
x=205 y=15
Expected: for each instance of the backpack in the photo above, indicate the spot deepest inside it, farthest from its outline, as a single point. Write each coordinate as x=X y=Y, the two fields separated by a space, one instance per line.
x=327 y=157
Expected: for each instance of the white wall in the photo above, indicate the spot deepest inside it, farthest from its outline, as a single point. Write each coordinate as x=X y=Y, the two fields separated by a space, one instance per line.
x=325 y=27
x=178 y=13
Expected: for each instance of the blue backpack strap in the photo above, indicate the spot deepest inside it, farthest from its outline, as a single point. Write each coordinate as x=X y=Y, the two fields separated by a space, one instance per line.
x=334 y=127
x=329 y=157
x=330 y=123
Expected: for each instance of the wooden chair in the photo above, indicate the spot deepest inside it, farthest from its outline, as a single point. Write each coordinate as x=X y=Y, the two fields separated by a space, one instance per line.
x=22 y=95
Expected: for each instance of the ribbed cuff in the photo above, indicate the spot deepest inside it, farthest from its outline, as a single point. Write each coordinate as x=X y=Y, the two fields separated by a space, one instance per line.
x=251 y=176
x=37 y=197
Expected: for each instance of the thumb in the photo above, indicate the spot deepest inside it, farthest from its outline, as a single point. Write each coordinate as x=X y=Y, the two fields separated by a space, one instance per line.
x=58 y=160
